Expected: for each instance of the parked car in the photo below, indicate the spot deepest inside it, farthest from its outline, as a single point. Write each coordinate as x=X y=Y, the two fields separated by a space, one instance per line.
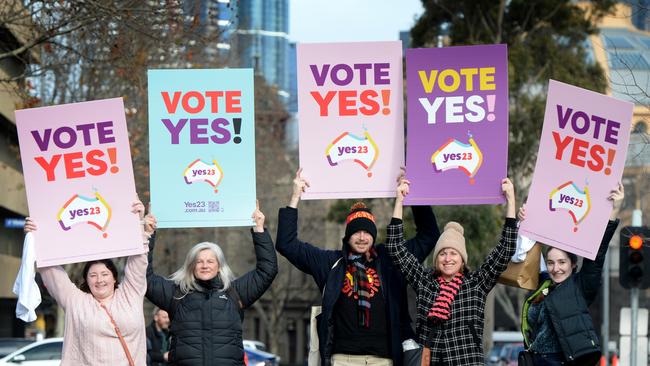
x=40 y=353
x=257 y=355
x=260 y=346
x=509 y=355
x=8 y=345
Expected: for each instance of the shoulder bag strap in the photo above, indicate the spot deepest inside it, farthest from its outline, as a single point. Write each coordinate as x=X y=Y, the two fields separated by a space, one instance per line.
x=119 y=335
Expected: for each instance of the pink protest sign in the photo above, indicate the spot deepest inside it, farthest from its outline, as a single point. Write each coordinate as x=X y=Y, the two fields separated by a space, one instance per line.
x=580 y=160
x=350 y=118
x=79 y=181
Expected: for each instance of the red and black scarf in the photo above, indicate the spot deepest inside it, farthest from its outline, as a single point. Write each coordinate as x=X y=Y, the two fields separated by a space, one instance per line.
x=362 y=289
x=441 y=308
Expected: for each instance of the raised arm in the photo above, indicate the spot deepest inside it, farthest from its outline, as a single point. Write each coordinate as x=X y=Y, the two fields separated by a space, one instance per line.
x=160 y=290
x=590 y=274
x=498 y=259
x=426 y=227
x=253 y=284
x=300 y=185
x=136 y=265
x=406 y=262
x=304 y=256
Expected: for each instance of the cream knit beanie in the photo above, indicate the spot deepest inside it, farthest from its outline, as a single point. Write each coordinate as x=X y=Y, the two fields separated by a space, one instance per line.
x=451 y=237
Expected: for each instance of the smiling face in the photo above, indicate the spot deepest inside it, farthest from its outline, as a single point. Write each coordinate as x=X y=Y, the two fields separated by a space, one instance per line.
x=360 y=242
x=559 y=265
x=101 y=281
x=449 y=262
x=206 y=266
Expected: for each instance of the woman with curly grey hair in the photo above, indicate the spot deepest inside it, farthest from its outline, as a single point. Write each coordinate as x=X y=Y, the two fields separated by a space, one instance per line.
x=205 y=301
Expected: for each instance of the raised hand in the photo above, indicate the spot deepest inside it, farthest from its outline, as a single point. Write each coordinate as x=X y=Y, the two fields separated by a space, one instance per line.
x=138 y=208
x=259 y=218
x=508 y=190
x=403 y=189
x=616 y=195
x=300 y=185
x=521 y=215
x=30 y=225
x=150 y=222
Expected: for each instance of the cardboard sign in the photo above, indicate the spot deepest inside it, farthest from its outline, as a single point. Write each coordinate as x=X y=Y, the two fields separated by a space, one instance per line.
x=350 y=118
x=457 y=124
x=580 y=160
x=79 y=181
x=202 y=147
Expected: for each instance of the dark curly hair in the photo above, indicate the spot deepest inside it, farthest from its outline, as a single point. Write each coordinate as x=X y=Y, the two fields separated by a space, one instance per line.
x=108 y=263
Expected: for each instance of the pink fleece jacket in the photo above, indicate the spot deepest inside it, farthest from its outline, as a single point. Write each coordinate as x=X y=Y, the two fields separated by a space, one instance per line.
x=89 y=337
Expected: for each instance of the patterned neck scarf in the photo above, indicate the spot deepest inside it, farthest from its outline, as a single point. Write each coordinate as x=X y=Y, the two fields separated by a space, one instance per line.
x=362 y=289
x=441 y=308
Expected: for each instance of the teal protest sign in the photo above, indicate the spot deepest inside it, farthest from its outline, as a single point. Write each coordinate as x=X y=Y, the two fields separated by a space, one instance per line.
x=202 y=147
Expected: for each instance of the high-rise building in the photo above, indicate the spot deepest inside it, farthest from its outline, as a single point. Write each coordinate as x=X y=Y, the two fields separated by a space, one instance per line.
x=263 y=41
x=13 y=200
x=640 y=13
x=212 y=17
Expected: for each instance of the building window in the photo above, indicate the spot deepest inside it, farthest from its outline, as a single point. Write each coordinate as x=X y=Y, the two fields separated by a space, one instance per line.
x=617 y=42
x=628 y=60
x=640 y=127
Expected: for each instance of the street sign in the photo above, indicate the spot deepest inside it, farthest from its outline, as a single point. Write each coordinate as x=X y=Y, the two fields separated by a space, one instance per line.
x=14 y=223
x=625 y=328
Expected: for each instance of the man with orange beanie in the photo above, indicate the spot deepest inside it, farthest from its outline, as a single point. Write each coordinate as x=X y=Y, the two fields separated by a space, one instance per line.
x=364 y=316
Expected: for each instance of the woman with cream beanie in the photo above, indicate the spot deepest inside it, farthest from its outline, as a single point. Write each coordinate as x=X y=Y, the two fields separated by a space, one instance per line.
x=450 y=298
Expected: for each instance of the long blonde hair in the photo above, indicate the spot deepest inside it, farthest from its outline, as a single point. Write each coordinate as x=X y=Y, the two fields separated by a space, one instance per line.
x=184 y=276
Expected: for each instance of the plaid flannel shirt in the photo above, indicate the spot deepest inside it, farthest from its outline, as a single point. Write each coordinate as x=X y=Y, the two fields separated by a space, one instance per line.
x=460 y=339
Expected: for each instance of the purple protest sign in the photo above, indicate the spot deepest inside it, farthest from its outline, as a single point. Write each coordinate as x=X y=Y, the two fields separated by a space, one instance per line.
x=457 y=141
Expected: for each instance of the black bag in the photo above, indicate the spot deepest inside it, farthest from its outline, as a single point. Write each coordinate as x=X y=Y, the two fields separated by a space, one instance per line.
x=417 y=357
x=525 y=359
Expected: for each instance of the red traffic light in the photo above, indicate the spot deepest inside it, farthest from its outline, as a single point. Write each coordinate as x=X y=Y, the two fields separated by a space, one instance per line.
x=635 y=242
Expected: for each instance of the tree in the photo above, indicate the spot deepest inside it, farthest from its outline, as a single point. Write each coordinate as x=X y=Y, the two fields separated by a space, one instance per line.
x=546 y=40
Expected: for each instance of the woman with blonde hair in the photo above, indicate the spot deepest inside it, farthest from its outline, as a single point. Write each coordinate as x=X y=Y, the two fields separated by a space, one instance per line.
x=205 y=301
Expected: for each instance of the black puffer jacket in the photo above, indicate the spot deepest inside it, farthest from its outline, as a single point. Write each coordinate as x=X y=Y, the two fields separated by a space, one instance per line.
x=568 y=307
x=206 y=326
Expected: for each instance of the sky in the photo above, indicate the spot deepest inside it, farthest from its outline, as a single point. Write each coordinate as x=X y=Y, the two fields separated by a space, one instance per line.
x=351 y=20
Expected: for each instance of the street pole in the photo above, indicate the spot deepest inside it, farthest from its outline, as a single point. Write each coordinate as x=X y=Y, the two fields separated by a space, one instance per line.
x=634 y=300
x=634 y=304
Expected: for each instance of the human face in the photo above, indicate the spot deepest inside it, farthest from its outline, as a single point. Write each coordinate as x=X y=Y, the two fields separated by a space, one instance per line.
x=449 y=263
x=101 y=281
x=161 y=319
x=559 y=265
x=360 y=242
x=206 y=266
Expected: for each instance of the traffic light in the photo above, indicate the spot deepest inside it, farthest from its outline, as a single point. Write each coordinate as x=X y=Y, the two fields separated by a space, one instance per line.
x=635 y=257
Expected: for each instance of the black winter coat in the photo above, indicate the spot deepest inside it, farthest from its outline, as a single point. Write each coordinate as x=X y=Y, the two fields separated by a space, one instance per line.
x=568 y=307
x=206 y=325
x=318 y=263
